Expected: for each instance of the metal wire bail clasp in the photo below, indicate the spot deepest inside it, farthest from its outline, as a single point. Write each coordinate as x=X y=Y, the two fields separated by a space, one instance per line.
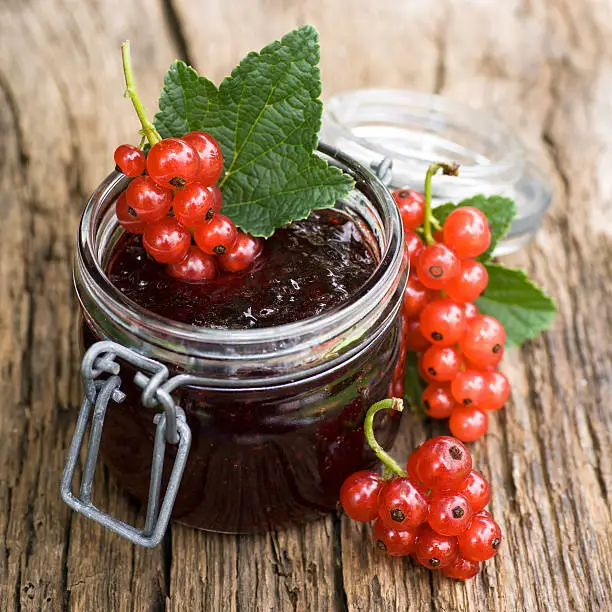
x=171 y=427
x=383 y=170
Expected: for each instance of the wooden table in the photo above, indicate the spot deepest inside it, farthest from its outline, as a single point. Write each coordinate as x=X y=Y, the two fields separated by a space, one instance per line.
x=545 y=66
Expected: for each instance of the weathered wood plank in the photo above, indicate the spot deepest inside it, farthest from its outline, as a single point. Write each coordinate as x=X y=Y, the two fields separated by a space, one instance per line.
x=62 y=113
x=545 y=66
x=541 y=455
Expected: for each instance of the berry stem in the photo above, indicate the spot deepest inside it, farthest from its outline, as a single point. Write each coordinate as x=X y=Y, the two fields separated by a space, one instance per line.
x=447 y=169
x=130 y=92
x=386 y=404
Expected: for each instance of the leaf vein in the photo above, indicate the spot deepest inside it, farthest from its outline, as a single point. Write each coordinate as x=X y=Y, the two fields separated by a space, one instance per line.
x=237 y=152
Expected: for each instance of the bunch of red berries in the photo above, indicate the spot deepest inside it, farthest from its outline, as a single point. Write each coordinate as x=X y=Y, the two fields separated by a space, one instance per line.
x=459 y=349
x=175 y=201
x=435 y=512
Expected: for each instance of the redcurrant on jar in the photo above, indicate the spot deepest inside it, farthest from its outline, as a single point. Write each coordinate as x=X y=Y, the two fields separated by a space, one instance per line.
x=274 y=414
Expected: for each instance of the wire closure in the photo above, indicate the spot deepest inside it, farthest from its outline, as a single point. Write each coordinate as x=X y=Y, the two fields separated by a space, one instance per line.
x=100 y=359
x=383 y=170
x=170 y=427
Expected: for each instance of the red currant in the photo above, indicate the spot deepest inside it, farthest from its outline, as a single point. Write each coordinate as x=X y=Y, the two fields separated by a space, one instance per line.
x=401 y=505
x=192 y=203
x=416 y=296
x=482 y=539
x=166 y=241
x=466 y=232
x=411 y=205
x=359 y=495
x=218 y=198
x=245 y=251
x=413 y=336
x=468 y=424
x=411 y=465
x=470 y=310
x=469 y=283
x=442 y=363
x=436 y=265
x=470 y=365
x=468 y=387
x=444 y=462
x=449 y=513
x=461 y=569
x=173 y=163
x=443 y=322
x=216 y=235
x=396 y=542
x=438 y=401
x=130 y=160
x=423 y=373
x=128 y=221
x=434 y=550
x=483 y=342
x=477 y=490
x=211 y=158
x=195 y=266
x=147 y=199
x=414 y=246
x=497 y=391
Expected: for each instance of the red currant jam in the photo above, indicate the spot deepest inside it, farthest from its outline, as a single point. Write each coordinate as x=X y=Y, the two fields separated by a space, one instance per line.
x=270 y=454
x=305 y=269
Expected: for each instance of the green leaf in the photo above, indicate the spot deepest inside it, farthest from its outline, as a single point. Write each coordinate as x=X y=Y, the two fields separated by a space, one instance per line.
x=266 y=116
x=414 y=385
x=523 y=308
x=499 y=211
x=185 y=103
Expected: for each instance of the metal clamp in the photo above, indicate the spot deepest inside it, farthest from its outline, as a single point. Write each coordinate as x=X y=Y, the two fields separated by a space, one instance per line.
x=171 y=428
x=383 y=170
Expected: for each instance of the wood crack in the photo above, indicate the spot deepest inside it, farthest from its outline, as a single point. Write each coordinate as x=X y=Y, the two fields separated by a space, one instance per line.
x=342 y=598
x=176 y=30
x=18 y=590
x=440 y=42
x=65 y=553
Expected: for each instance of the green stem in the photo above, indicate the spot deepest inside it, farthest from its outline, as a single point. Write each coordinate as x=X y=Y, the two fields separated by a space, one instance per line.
x=386 y=404
x=148 y=128
x=449 y=170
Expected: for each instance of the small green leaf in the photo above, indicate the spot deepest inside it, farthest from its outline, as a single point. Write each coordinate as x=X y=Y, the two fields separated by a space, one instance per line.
x=266 y=116
x=499 y=211
x=523 y=308
x=414 y=386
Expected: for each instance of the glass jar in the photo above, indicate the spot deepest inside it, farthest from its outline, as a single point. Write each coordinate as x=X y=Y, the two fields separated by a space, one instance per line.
x=415 y=129
x=276 y=414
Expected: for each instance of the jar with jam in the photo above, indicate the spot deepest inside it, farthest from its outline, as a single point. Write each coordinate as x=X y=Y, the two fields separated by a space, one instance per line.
x=268 y=372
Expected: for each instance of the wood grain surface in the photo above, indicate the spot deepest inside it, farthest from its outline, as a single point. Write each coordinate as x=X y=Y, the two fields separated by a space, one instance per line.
x=544 y=65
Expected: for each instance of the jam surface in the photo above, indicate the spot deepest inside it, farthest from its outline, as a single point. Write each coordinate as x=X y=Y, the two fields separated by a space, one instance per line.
x=307 y=268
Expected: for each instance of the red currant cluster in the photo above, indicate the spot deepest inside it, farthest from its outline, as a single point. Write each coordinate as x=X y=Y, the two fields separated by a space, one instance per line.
x=434 y=512
x=459 y=349
x=174 y=200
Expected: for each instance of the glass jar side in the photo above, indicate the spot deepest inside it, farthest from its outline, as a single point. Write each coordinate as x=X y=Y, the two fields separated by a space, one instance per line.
x=276 y=415
x=261 y=458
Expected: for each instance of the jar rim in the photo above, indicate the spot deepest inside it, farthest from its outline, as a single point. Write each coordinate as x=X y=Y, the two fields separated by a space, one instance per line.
x=439 y=111
x=380 y=283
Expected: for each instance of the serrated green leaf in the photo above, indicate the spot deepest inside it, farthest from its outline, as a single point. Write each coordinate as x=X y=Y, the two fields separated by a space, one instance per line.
x=186 y=102
x=500 y=212
x=266 y=115
x=523 y=308
x=414 y=386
